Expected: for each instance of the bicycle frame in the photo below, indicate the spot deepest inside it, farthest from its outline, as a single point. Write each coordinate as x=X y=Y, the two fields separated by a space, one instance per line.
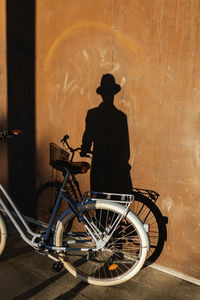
x=44 y=238
x=44 y=241
x=114 y=236
x=23 y=221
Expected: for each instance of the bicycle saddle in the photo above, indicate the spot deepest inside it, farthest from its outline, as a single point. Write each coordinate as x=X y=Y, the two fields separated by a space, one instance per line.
x=73 y=167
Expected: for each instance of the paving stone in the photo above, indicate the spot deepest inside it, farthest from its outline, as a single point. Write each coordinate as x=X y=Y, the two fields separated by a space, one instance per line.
x=27 y=275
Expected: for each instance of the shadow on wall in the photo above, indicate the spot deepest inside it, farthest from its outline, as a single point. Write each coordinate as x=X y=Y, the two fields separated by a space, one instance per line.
x=21 y=102
x=106 y=133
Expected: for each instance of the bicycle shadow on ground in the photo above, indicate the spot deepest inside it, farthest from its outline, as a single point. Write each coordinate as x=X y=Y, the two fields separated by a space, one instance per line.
x=8 y=254
x=34 y=291
x=73 y=292
x=70 y=294
x=14 y=246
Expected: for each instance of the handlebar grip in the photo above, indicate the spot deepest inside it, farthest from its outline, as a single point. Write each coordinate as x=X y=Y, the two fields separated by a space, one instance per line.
x=14 y=132
x=8 y=133
x=85 y=154
x=65 y=138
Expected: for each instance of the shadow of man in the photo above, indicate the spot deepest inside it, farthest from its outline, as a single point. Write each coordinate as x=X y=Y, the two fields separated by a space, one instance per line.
x=106 y=134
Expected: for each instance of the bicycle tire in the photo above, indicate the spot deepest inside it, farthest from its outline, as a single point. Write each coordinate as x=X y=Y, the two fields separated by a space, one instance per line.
x=149 y=213
x=46 y=198
x=122 y=257
x=3 y=234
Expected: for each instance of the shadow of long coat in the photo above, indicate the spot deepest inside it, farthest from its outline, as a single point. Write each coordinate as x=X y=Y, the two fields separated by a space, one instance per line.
x=107 y=132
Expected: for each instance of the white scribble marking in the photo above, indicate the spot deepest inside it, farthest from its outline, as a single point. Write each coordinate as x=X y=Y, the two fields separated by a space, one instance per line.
x=123 y=81
x=102 y=52
x=125 y=103
x=74 y=87
x=82 y=90
x=115 y=67
x=65 y=82
x=85 y=55
x=168 y=203
x=71 y=83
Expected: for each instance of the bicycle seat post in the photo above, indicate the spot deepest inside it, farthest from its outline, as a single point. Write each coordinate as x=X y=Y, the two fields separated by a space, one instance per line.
x=65 y=180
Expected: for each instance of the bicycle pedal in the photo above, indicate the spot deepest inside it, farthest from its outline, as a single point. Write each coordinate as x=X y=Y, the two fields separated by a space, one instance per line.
x=57 y=266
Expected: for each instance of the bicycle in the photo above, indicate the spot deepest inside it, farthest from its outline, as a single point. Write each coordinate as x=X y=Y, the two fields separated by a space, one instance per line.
x=143 y=206
x=47 y=192
x=100 y=252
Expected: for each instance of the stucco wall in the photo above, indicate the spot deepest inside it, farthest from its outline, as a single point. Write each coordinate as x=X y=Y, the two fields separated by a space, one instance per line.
x=151 y=47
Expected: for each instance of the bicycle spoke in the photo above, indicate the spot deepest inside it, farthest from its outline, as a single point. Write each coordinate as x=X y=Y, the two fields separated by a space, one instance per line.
x=120 y=254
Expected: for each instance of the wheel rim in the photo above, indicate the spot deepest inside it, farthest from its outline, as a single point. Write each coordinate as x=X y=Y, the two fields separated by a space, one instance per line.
x=149 y=214
x=119 y=258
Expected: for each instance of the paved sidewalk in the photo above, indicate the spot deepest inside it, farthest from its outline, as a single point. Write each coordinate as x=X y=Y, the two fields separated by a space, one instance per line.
x=27 y=275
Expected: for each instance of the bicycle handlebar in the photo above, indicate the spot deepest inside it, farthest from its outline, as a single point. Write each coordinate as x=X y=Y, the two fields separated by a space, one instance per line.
x=65 y=138
x=83 y=154
x=4 y=134
x=72 y=150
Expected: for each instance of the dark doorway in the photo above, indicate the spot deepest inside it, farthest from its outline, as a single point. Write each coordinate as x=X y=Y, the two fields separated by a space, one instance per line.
x=21 y=102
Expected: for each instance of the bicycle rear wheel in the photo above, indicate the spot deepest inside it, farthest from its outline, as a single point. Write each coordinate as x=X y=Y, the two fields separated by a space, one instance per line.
x=149 y=213
x=121 y=258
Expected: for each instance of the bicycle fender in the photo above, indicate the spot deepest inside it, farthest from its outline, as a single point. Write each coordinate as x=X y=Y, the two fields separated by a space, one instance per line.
x=89 y=201
x=135 y=219
x=118 y=207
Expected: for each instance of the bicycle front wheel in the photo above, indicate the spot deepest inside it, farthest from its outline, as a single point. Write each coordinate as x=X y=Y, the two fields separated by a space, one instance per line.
x=120 y=259
x=47 y=196
x=46 y=199
x=3 y=234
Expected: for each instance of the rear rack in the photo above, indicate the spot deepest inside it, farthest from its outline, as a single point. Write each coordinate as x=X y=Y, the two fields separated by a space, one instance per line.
x=124 y=199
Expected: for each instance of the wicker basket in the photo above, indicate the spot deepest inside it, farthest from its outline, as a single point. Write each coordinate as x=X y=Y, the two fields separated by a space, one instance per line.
x=57 y=153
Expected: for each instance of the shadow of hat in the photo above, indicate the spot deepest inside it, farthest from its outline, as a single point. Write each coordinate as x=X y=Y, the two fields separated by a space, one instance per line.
x=108 y=85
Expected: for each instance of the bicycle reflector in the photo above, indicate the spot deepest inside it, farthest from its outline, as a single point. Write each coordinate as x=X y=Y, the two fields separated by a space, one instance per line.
x=112 y=267
x=146 y=227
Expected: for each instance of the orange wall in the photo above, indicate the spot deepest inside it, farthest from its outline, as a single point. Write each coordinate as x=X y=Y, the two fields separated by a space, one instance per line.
x=152 y=49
